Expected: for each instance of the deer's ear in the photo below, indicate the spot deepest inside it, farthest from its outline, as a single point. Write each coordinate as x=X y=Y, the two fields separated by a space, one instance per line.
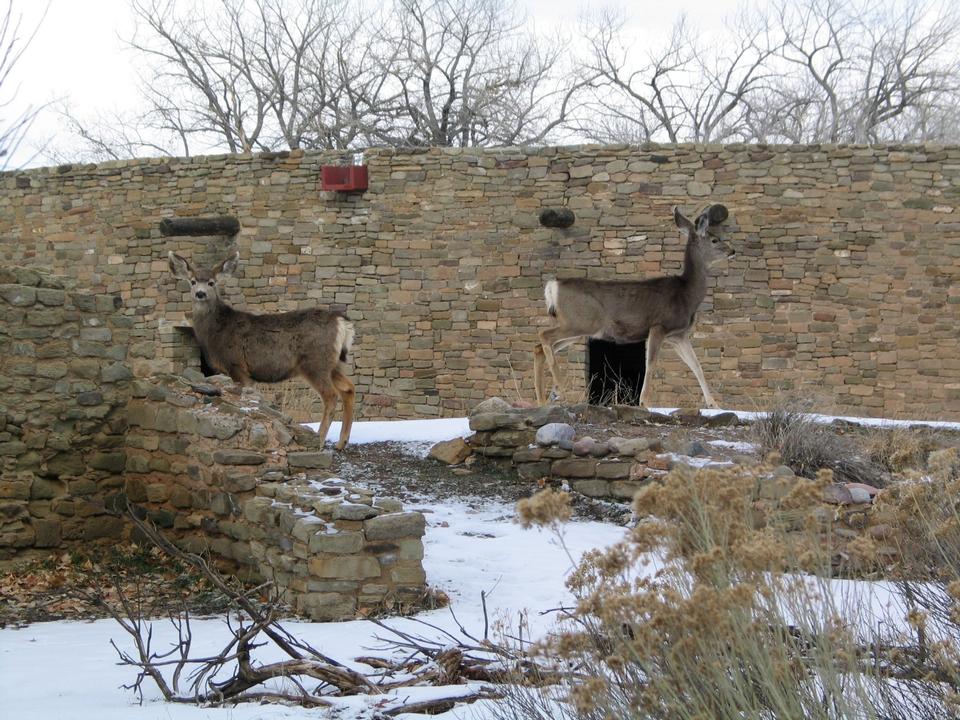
x=681 y=220
x=229 y=266
x=703 y=223
x=178 y=266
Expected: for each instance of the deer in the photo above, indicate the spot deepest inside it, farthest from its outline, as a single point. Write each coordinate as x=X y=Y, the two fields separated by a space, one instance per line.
x=311 y=343
x=660 y=310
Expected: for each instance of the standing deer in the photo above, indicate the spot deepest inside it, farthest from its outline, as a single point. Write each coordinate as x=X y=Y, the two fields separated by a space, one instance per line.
x=269 y=348
x=658 y=310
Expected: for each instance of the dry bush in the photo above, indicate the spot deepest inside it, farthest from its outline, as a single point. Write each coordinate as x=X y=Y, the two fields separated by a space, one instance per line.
x=807 y=446
x=899 y=448
x=711 y=610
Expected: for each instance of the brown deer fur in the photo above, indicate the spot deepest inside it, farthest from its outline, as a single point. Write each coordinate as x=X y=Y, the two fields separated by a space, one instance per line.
x=657 y=310
x=312 y=344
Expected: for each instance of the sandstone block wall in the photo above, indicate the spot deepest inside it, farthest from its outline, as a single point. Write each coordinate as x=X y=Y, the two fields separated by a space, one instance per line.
x=64 y=381
x=221 y=472
x=845 y=284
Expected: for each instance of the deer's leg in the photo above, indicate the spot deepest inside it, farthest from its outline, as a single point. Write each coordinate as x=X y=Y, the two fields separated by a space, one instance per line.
x=329 y=396
x=654 y=341
x=345 y=387
x=685 y=350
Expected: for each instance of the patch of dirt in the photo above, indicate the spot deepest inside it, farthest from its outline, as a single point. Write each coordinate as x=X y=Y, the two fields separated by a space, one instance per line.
x=65 y=586
x=404 y=472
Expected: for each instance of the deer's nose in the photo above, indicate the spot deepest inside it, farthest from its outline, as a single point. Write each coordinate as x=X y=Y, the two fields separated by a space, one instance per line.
x=200 y=295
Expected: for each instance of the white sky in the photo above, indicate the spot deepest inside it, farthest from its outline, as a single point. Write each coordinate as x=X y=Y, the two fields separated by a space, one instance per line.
x=79 y=55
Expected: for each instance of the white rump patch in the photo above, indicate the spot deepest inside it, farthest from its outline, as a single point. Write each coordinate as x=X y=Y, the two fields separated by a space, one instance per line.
x=550 y=295
x=345 y=334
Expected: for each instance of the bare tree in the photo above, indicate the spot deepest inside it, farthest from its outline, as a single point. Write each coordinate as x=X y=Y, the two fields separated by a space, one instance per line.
x=467 y=73
x=14 y=40
x=685 y=90
x=863 y=71
x=259 y=75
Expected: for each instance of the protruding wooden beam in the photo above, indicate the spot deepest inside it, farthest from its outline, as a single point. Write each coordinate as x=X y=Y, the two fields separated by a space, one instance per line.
x=557 y=217
x=218 y=225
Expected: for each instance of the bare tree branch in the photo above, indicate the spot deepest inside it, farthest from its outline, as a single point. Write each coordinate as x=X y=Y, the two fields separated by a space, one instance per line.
x=14 y=41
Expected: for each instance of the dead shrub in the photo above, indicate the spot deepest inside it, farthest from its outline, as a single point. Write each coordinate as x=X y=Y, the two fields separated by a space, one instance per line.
x=706 y=613
x=807 y=446
x=898 y=449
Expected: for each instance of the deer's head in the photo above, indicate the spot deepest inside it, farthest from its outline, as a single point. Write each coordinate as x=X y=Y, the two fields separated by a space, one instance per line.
x=701 y=239
x=203 y=282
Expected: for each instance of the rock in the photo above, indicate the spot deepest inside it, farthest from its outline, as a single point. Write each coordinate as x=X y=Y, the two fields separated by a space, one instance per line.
x=310 y=460
x=592 y=488
x=584 y=446
x=616 y=470
x=594 y=414
x=837 y=494
x=451 y=452
x=497 y=421
x=724 y=419
x=388 y=505
x=555 y=433
x=859 y=495
x=354 y=511
x=863 y=488
x=574 y=468
x=395 y=526
x=238 y=457
x=628 y=447
x=549 y=414
x=492 y=405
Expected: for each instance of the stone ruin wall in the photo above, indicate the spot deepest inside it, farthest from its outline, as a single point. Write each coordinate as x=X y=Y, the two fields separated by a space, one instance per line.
x=845 y=286
x=214 y=468
x=64 y=382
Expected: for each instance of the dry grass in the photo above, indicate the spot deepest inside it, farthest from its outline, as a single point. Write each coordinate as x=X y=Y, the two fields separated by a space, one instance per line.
x=899 y=449
x=807 y=446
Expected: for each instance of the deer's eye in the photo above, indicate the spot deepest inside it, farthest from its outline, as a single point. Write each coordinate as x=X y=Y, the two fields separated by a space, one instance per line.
x=210 y=283
x=714 y=241
x=192 y=281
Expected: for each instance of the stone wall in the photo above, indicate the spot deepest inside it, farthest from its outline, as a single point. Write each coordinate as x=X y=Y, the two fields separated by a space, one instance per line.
x=844 y=286
x=221 y=472
x=64 y=380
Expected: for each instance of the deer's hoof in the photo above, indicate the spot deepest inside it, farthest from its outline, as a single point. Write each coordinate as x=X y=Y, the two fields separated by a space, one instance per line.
x=340 y=445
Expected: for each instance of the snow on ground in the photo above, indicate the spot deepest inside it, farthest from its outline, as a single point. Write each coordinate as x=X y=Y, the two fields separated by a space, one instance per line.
x=417 y=436
x=68 y=670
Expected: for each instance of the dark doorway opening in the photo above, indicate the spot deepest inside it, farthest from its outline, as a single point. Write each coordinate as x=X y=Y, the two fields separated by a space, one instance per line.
x=615 y=372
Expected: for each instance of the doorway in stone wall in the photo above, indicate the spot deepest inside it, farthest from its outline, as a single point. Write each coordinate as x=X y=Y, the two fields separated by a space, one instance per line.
x=615 y=372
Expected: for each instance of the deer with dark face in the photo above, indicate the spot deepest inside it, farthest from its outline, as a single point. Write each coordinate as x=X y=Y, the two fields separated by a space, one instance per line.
x=656 y=310
x=248 y=347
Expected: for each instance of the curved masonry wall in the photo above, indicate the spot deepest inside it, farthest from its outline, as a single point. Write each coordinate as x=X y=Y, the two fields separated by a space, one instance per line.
x=845 y=285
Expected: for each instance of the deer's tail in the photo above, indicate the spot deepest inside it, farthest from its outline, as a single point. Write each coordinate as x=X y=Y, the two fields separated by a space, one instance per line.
x=550 y=295
x=345 y=334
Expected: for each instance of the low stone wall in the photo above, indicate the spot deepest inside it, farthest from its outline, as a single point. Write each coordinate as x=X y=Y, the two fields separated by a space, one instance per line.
x=543 y=446
x=223 y=473
x=64 y=381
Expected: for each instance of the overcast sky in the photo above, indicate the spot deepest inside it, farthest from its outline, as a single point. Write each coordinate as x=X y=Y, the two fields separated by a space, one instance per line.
x=79 y=55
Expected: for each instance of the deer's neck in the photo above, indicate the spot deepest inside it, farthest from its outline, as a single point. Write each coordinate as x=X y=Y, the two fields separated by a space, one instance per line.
x=694 y=274
x=207 y=318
